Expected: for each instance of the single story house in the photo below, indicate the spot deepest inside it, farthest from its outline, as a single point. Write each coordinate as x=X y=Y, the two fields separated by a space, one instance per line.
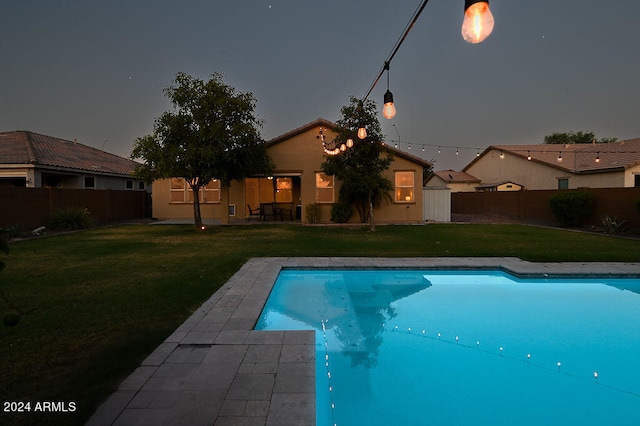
x=549 y=166
x=499 y=186
x=296 y=183
x=32 y=160
x=455 y=181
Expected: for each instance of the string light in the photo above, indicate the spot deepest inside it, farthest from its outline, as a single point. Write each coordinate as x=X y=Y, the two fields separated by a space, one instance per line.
x=476 y=27
x=478 y=21
x=389 y=109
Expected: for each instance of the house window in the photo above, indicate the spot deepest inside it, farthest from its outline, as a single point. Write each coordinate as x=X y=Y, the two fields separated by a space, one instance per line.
x=324 y=188
x=563 y=183
x=129 y=185
x=178 y=190
x=284 y=190
x=89 y=182
x=210 y=193
x=141 y=185
x=636 y=181
x=181 y=192
x=404 y=187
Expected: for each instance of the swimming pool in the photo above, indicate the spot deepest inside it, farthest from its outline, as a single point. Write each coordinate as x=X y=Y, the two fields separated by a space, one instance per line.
x=465 y=347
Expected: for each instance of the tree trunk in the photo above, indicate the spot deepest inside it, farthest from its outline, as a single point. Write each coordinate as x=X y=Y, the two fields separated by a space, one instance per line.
x=372 y=224
x=197 y=216
x=224 y=203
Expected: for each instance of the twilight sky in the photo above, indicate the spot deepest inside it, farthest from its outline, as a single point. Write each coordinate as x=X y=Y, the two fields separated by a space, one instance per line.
x=95 y=70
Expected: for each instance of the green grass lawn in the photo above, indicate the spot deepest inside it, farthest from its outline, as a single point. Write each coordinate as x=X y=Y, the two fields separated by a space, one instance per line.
x=105 y=298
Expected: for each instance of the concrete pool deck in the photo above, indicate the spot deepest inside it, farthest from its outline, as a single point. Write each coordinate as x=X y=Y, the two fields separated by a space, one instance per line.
x=216 y=370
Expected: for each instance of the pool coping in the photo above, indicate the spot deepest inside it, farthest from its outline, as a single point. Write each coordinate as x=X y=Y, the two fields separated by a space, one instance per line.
x=216 y=369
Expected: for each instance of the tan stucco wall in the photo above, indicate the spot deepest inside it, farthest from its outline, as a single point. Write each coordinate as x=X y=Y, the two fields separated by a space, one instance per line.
x=302 y=155
x=630 y=176
x=533 y=175
x=508 y=187
x=163 y=209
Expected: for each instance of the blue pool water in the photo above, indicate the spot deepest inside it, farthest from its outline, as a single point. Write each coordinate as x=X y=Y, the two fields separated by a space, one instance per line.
x=423 y=347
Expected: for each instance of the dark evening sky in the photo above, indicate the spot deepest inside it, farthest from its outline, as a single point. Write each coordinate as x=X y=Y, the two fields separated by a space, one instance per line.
x=95 y=70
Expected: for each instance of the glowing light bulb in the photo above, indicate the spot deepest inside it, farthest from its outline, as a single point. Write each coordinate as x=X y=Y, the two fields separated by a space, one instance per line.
x=389 y=109
x=362 y=133
x=349 y=143
x=478 y=21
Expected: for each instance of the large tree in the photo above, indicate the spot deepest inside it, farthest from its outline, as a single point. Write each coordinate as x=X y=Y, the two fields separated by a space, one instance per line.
x=569 y=138
x=212 y=133
x=360 y=168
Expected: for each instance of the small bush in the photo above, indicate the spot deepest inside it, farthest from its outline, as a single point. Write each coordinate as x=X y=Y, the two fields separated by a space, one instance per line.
x=312 y=212
x=572 y=208
x=341 y=212
x=14 y=231
x=612 y=226
x=70 y=219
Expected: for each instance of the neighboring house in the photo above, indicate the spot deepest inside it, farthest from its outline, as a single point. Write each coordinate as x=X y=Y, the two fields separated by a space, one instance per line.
x=499 y=186
x=33 y=160
x=296 y=182
x=548 y=166
x=455 y=181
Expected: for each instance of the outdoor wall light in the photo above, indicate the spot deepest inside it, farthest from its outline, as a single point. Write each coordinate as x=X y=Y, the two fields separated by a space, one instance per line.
x=478 y=21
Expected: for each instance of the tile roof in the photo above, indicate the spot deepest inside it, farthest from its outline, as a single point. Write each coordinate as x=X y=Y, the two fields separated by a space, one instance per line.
x=577 y=158
x=24 y=147
x=451 y=176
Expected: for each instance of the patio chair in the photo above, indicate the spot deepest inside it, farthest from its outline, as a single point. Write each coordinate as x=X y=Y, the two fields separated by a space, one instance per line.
x=267 y=209
x=286 y=212
x=253 y=212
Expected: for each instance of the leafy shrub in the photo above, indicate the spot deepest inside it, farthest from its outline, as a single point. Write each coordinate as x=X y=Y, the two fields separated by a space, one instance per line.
x=572 y=208
x=70 y=219
x=14 y=231
x=341 y=212
x=312 y=211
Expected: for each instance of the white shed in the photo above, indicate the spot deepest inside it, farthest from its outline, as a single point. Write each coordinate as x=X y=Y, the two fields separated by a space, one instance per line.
x=436 y=204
